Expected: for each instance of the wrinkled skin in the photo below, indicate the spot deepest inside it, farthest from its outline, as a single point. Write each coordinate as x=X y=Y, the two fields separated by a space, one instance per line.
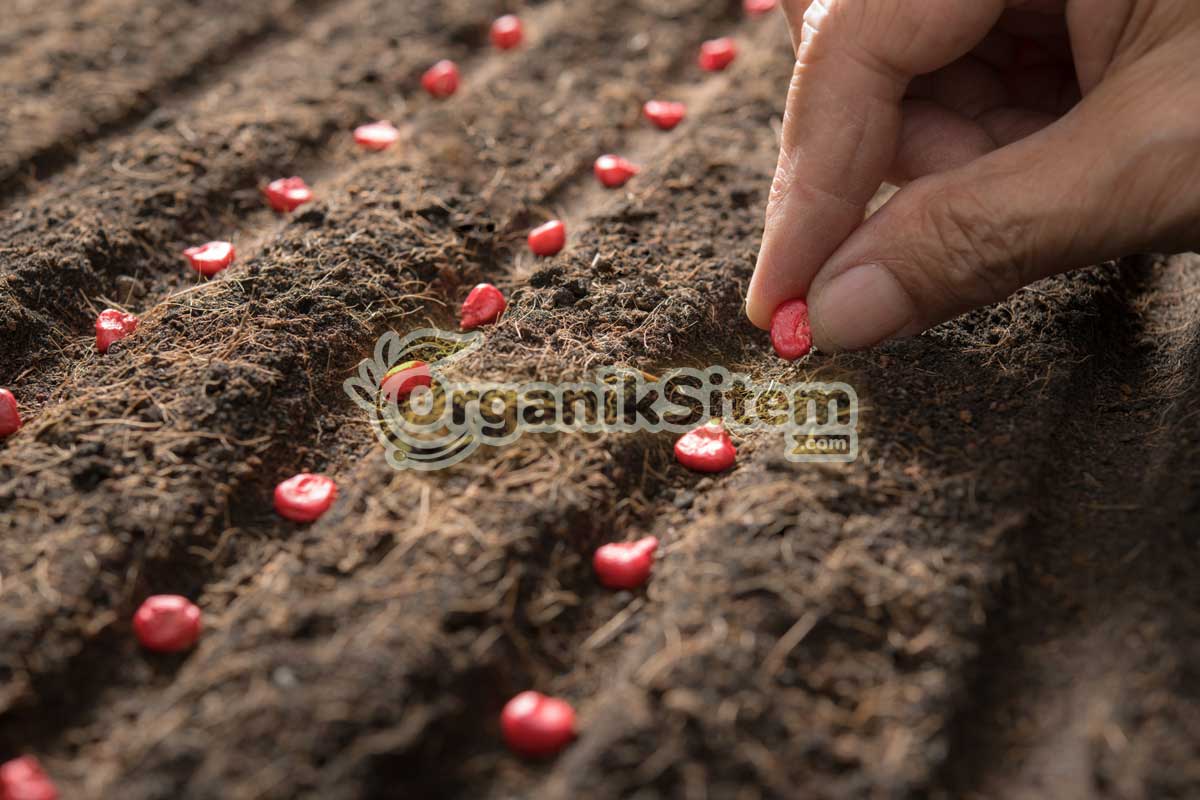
x=1030 y=136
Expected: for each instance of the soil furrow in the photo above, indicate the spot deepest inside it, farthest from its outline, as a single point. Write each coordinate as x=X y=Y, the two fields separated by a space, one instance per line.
x=844 y=674
x=112 y=64
x=1066 y=704
x=493 y=608
x=193 y=173
x=973 y=608
x=582 y=523
x=254 y=359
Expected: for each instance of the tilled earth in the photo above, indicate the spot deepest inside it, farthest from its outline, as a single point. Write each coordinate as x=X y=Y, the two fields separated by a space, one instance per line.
x=998 y=599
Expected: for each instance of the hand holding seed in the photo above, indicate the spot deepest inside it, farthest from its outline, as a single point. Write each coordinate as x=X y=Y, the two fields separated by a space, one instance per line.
x=1031 y=137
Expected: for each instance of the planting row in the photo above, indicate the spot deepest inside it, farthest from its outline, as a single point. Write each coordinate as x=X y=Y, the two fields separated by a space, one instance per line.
x=340 y=332
x=532 y=724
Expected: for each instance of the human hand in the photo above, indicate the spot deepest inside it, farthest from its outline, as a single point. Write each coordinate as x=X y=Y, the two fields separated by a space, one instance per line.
x=1035 y=136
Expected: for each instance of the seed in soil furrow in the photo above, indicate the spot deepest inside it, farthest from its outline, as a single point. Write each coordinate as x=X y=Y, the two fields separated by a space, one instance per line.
x=10 y=414
x=483 y=306
x=537 y=726
x=376 y=135
x=548 y=238
x=112 y=326
x=305 y=497
x=210 y=258
x=506 y=32
x=24 y=779
x=717 y=54
x=441 y=80
x=287 y=194
x=665 y=114
x=167 y=623
x=625 y=565
x=707 y=448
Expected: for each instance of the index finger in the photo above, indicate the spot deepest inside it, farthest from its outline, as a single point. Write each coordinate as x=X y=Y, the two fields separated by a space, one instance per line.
x=841 y=125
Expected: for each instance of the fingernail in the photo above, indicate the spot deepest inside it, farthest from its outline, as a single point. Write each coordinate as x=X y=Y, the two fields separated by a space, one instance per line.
x=863 y=306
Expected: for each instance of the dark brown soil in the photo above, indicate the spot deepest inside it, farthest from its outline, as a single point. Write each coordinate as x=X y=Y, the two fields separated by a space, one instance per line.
x=996 y=600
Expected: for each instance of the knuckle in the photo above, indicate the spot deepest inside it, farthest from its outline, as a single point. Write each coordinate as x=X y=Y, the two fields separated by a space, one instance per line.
x=978 y=260
x=781 y=187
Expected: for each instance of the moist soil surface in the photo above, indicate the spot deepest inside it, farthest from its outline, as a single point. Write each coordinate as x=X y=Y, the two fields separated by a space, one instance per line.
x=996 y=599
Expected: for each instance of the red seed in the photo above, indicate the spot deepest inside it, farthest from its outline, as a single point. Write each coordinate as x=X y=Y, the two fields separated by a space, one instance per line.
x=548 y=239
x=24 y=779
x=756 y=7
x=483 y=306
x=287 y=194
x=507 y=32
x=209 y=259
x=167 y=623
x=10 y=419
x=537 y=726
x=305 y=497
x=706 y=449
x=376 y=135
x=666 y=114
x=113 y=326
x=402 y=379
x=717 y=54
x=441 y=80
x=614 y=171
x=625 y=565
x=791 y=335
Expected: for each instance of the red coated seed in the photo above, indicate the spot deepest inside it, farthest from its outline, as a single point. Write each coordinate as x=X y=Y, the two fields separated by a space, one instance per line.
x=548 y=239
x=717 y=54
x=614 y=171
x=287 y=194
x=402 y=379
x=756 y=7
x=10 y=419
x=376 y=135
x=305 y=497
x=113 y=326
x=167 y=623
x=209 y=259
x=666 y=114
x=483 y=306
x=791 y=335
x=24 y=779
x=625 y=565
x=706 y=449
x=441 y=80
x=507 y=32
x=537 y=726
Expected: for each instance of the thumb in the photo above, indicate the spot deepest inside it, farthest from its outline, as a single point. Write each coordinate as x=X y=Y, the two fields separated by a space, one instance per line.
x=1102 y=182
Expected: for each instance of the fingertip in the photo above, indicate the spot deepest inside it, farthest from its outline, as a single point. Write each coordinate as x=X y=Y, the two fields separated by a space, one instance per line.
x=758 y=310
x=780 y=275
